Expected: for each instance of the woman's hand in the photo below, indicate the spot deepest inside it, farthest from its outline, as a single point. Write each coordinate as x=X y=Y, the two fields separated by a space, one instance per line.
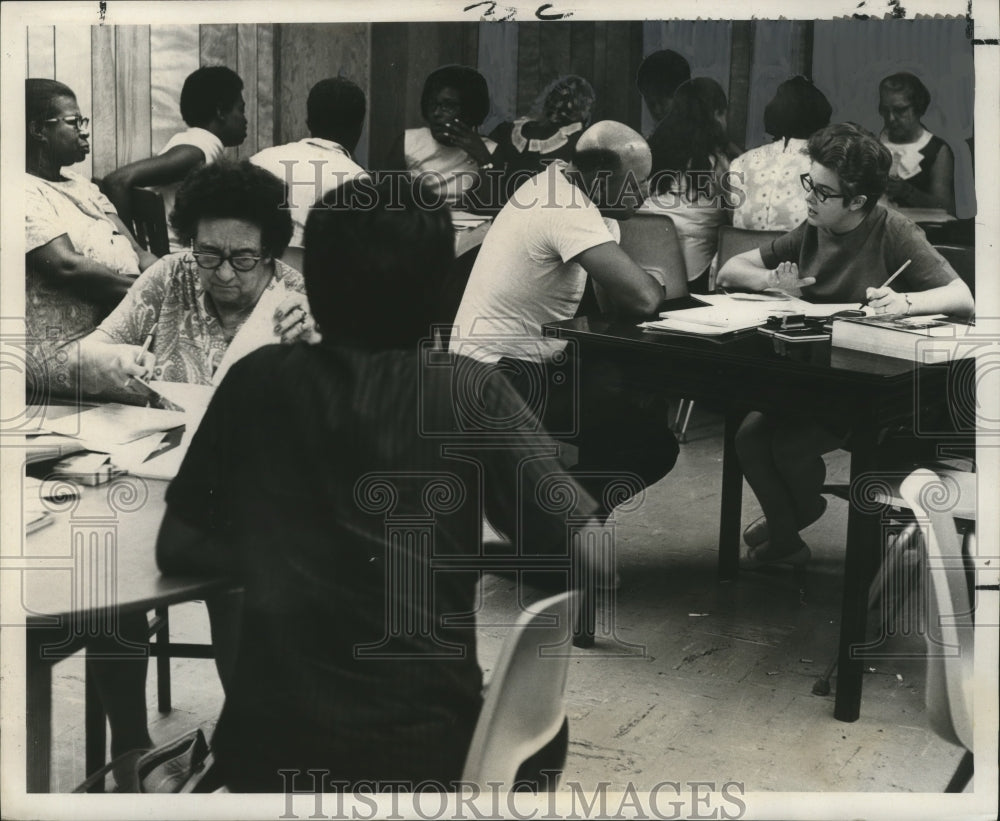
x=468 y=140
x=293 y=322
x=887 y=301
x=111 y=366
x=786 y=278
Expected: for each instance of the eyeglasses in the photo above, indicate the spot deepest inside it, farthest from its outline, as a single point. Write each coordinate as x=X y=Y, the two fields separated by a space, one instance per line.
x=211 y=262
x=79 y=123
x=821 y=193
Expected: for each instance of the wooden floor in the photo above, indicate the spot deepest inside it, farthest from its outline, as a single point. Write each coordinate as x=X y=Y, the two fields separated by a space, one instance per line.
x=692 y=681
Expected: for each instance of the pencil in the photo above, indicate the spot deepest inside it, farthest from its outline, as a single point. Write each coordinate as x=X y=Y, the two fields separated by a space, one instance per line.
x=145 y=345
x=888 y=282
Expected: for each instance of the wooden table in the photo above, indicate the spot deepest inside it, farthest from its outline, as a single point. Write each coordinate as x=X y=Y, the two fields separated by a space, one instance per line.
x=813 y=380
x=79 y=575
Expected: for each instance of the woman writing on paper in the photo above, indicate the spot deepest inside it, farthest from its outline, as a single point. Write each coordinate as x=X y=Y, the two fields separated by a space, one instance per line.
x=848 y=249
x=224 y=296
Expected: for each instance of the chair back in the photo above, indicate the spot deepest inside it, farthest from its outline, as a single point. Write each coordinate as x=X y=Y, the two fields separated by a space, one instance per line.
x=523 y=709
x=963 y=260
x=149 y=221
x=651 y=240
x=936 y=500
x=733 y=241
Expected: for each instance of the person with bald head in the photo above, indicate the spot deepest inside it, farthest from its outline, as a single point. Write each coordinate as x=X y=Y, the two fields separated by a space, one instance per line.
x=557 y=229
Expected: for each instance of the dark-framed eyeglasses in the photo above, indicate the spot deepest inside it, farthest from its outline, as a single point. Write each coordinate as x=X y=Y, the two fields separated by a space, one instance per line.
x=80 y=123
x=821 y=193
x=242 y=263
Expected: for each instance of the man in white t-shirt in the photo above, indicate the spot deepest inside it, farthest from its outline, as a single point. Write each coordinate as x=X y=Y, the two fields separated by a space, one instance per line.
x=320 y=163
x=556 y=229
x=212 y=106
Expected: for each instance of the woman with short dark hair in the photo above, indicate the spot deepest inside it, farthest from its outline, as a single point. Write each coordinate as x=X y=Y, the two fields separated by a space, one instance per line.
x=923 y=167
x=223 y=297
x=768 y=176
x=448 y=154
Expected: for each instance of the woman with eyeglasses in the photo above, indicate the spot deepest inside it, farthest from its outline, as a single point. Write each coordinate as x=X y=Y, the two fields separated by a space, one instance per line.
x=845 y=251
x=80 y=259
x=207 y=306
x=448 y=155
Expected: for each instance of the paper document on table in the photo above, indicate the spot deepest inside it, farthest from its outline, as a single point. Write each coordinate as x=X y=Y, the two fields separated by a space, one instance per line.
x=775 y=303
x=195 y=400
x=463 y=219
x=115 y=424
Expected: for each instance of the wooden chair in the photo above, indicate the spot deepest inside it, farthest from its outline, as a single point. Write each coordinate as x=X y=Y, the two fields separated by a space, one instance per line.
x=963 y=260
x=523 y=709
x=149 y=221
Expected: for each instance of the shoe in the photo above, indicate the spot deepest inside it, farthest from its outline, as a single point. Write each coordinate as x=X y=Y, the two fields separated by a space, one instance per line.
x=757 y=557
x=755 y=533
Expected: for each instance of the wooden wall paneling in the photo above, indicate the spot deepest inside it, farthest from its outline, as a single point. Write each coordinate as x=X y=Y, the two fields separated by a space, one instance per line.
x=219 y=47
x=618 y=84
x=739 y=79
x=528 y=65
x=173 y=55
x=555 y=49
x=246 y=67
x=630 y=92
x=600 y=70
x=777 y=56
x=72 y=67
x=133 y=94
x=265 y=85
x=104 y=109
x=497 y=62
x=42 y=52
x=581 y=59
x=390 y=67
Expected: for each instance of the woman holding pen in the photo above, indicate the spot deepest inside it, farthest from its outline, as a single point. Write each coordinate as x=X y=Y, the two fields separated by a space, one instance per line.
x=849 y=249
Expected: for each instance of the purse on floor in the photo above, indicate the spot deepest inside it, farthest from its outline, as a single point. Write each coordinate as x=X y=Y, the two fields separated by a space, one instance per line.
x=183 y=765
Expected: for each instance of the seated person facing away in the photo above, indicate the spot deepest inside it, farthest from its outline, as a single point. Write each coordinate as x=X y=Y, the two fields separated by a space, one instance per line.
x=346 y=437
x=847 y=247
x=212 y=105
x=689 y=166
x=658 y=77
x=335 y=115
x=527 y=145
x=448 y=154
x=80 y=259
x=214 y=303
x=923 y=167
x=769 y=175
x=532 y=269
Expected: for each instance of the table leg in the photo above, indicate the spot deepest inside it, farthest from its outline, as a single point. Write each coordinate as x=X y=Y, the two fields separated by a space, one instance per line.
x=732 y=499
x=95 y=728
x=860 y=563
x=38 y=713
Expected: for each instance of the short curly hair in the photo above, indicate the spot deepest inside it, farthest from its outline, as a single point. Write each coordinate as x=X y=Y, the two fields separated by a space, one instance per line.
x=661 y=72
x=909 y=84
x=226 y=190
x=858 y=159
x=208 y=90
x=471 y=87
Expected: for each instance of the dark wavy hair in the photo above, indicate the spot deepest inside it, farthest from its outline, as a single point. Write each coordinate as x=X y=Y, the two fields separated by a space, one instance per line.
x=909 y=84
x=38 y=96
x=689 y=136
x=797 y=111
x=662 y=72
x=858 y=159
x=226 y=190
x=375 y=263
x=208 y=90
x=471 y=87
